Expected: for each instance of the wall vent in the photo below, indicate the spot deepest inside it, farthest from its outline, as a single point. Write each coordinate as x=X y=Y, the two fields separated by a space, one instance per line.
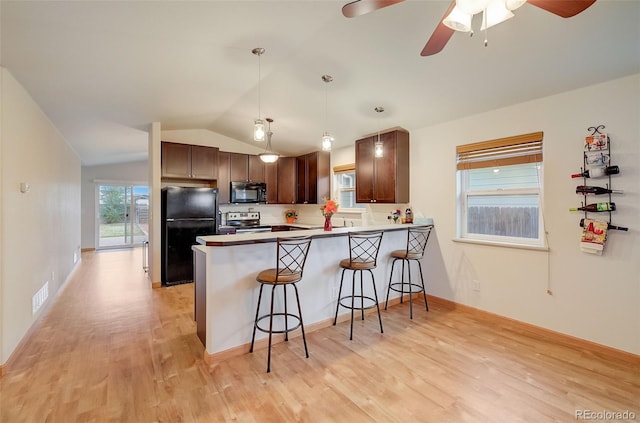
x=39 y=298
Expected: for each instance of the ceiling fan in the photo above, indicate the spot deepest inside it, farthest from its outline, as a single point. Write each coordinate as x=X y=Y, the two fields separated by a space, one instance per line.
x=445 y=29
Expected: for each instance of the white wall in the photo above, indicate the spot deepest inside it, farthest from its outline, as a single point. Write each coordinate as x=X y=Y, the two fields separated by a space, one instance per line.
x=92 y=176
x=593 y=297
x=40 y=229
x=210 y=139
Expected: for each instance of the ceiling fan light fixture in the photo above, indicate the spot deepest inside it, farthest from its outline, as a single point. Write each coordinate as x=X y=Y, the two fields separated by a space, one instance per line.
x=458 y=20
x=514 y=4
x=471 y=7
x=495 y=13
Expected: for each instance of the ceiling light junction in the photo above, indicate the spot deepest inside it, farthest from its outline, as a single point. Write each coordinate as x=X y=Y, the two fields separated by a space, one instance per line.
x=493 y=13
x=378 y=146
x=327 y=139
x=258 y=124
x=268 y=156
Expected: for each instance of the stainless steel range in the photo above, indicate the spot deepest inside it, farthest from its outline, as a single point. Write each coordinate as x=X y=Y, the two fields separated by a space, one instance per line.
x=246 y=222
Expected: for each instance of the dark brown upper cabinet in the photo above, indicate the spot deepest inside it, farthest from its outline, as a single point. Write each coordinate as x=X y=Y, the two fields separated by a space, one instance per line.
x=271 y=179
x=238 y=167
x=383 y=179
x=184 y=161
x=313 y=177
x=286 y=180
x=223 y=183
x=256 y=169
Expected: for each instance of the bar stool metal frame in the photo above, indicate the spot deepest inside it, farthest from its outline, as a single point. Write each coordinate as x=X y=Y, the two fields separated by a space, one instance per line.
x=291 y=257
x=417 y=237
x=363 y=254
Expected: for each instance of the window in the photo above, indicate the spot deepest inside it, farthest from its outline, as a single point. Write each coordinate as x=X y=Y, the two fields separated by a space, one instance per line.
x=345 y=183
x=499 y=190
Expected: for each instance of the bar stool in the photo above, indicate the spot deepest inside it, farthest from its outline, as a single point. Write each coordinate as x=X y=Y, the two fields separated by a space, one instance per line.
x=290 y=260
x=417 y=237
x=363 y=255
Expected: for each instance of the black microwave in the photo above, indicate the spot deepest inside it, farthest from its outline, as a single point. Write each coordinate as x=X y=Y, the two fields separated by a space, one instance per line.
x=248 y=192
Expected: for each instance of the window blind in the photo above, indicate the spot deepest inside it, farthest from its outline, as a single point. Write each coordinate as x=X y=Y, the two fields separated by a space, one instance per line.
x=347 y=168
x=518 y=149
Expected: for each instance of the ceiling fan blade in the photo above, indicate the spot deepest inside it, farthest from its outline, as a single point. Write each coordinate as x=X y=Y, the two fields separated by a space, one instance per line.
x=440 y=37
x=563 y=8
x=361 y=7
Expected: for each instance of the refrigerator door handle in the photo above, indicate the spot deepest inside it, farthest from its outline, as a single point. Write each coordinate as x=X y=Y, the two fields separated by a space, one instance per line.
x=169 y=220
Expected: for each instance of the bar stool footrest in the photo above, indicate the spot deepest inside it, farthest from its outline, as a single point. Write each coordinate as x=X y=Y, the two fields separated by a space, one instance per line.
x=357 y=299
x=418 y=288
x=287 y=315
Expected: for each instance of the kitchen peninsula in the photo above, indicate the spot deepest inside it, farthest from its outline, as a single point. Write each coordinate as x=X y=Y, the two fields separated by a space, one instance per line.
x=227 y=292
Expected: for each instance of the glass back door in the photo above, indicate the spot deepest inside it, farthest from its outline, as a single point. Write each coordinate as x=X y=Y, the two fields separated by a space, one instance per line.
x=122 y=218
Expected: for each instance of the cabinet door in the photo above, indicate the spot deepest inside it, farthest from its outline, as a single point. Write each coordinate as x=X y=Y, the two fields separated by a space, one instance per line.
x=402 y=167
x=204 y=162
x=301 y=179
x=223 y=182
x=238 y=167
x=271 y=179
x=312 y=178
x=286 y=180
x=364 y=170
x=256 y=169
x=176 y=160
x=323 y=177
x=384 y=185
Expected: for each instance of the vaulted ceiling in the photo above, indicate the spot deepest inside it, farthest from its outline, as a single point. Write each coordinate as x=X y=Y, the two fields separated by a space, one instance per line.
x=102 y=71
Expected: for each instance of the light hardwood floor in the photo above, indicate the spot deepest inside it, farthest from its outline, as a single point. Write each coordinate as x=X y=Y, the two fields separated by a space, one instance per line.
x=111 y=349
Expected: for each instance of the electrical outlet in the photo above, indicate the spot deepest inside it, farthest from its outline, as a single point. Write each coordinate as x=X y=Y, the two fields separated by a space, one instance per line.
x=53 y=276
x=476 y=285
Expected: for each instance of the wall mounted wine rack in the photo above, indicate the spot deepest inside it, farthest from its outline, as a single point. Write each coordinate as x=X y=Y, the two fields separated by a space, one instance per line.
x=596 y=161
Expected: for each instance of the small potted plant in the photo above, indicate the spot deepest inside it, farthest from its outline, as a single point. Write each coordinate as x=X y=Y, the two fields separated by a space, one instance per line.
x=290 y=215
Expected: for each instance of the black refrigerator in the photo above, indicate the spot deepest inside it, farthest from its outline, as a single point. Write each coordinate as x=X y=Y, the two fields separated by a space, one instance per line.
x=186 y=214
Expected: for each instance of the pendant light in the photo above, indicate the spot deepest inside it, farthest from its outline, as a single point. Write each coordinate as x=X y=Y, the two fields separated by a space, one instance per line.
x=268 y=156
x=327 y=139
x=378 y=146
x=258 y=124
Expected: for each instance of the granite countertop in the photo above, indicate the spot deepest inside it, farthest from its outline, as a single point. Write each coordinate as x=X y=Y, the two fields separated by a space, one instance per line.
x=314 y=230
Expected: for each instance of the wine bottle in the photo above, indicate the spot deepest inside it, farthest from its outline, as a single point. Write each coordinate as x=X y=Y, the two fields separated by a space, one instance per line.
x=609 y=226
x=585 y=189
x=596 y=207
x=597 y=171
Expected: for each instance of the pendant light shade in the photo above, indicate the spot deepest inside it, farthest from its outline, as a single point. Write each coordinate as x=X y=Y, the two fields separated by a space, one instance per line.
x=268 y=156
x=258 y=130
x=258 y=124
x=327 y=139
x=378 y=146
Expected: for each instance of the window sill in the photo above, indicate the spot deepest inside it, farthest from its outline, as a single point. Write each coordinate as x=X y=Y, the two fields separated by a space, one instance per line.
x=502 y=244
x=351 y=211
